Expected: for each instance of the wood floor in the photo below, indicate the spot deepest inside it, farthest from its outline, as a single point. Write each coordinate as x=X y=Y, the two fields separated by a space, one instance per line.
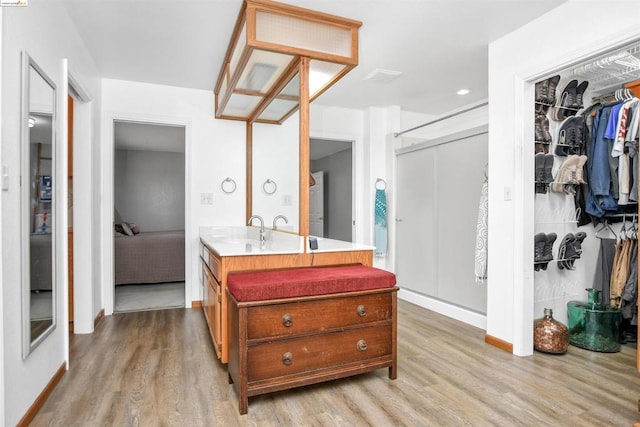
x=158 y=368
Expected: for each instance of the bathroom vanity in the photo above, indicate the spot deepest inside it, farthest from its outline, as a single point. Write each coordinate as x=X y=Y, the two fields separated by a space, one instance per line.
x=234 y=249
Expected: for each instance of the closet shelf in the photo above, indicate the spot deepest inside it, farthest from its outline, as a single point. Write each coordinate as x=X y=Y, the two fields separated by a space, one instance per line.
x=611 y=70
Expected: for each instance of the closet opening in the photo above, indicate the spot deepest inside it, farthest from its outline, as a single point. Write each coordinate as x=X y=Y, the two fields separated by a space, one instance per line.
x=149 y=216
x=585 y=186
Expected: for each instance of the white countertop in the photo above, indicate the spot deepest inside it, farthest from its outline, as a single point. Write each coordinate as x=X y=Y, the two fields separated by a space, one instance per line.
x=241 y=241
x=332 y=245
x=245 y=240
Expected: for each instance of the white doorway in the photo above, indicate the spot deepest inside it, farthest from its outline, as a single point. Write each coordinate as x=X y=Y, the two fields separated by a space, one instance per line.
x=334 y=158
x=149 y=216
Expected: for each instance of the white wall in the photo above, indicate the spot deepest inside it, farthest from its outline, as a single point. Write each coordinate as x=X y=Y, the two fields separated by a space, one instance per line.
x=149 y=189
x=275 y=156
x=214 y=150
x=45 y=31
x=515 y=61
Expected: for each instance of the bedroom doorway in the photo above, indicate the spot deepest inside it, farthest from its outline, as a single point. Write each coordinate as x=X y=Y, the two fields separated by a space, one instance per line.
x=331 y=211
x=149 y=216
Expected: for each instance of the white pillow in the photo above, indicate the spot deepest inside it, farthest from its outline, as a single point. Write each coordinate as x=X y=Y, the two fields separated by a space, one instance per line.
x=126 y=229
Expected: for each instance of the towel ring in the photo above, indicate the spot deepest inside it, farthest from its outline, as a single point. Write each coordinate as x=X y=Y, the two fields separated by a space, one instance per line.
x=228 y=185
x=381 y=182
x=269 y=186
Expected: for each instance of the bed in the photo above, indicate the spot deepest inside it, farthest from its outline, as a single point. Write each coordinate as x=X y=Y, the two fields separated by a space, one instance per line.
x=151 y=257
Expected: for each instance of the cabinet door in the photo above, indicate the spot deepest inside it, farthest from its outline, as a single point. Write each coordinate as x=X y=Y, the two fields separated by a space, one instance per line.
x=215 y=314
x=205 y=286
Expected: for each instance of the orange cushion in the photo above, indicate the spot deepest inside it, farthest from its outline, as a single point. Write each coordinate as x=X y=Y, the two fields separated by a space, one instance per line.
x=298 y=282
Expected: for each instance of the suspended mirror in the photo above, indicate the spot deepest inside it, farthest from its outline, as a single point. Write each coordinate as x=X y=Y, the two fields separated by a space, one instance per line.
x=38 y=150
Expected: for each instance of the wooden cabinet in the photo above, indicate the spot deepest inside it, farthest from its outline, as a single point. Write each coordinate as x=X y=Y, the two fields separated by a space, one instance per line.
x=281 y=344
x=212 y=300
x=215 y=269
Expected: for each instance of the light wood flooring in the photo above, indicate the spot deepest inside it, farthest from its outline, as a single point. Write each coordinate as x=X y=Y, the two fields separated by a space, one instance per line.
x=158 y=368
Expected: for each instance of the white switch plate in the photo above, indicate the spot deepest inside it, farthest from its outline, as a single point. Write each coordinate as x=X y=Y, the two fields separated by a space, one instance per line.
x=286 y=200
x=206 y=198
x=507 y=193
x=5 y=178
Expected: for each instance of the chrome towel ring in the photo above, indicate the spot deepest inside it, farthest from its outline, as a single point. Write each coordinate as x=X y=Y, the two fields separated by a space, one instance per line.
x=228 y=185
x=269 y=186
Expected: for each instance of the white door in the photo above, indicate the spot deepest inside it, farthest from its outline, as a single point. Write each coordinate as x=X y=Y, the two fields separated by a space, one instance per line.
x=437 y=212
x=316 y=205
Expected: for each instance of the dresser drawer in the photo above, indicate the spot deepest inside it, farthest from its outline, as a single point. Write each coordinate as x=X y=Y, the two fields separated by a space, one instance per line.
x=212 y=262
x=294 y=318
x=287 y=357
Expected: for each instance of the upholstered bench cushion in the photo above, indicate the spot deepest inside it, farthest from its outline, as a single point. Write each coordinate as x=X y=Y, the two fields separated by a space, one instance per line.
x=298 y=282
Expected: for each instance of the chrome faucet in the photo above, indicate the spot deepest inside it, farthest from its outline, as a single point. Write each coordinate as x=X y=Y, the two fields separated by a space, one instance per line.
x=275 y=226
x=262 y=238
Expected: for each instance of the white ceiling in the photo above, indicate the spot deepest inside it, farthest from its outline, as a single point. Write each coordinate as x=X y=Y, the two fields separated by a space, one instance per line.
x=440 y=46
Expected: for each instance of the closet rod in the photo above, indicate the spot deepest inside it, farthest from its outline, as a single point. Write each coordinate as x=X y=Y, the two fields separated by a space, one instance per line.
x=439 y=119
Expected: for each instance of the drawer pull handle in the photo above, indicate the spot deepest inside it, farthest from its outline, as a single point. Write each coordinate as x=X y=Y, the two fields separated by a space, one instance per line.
x=287 y=358
x=362 y=345
x=287 y=320
x=362 y=310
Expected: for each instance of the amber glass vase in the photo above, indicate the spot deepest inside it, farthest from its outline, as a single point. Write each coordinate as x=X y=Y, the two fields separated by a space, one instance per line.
x=549 y=335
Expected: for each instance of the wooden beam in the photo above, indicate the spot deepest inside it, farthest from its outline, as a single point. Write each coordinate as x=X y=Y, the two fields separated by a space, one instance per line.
x=304 y=148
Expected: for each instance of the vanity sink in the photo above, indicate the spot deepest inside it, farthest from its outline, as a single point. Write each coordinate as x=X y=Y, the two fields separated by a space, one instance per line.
x=245 y=240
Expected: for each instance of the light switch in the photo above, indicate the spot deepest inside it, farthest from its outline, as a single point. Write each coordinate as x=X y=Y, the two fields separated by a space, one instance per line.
x=206 y=198
x=286 y=200
x=507 y=194
x=5 y=178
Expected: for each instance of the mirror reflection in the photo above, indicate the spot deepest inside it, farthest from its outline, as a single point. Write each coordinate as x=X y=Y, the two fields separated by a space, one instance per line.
x=38 y=197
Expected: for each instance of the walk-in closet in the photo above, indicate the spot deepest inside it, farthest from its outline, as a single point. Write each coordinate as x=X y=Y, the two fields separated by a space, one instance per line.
x=586 y=196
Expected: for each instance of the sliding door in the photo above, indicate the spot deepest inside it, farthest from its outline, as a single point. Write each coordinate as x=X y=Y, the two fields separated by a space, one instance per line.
x=439 y=185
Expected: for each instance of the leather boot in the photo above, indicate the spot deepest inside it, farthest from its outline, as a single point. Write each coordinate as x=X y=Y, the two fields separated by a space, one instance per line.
x=551 y=89
x=547 y=252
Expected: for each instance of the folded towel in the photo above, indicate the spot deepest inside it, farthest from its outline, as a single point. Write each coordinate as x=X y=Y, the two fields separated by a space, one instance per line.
x=380 y=225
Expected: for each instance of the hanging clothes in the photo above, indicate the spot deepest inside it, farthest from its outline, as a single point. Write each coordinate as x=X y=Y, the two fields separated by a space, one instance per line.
x=629 y=303
x=604 y=268
x=482 y=233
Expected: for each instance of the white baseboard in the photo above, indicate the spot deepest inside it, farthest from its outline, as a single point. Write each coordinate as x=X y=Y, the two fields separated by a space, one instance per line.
x=455 y=312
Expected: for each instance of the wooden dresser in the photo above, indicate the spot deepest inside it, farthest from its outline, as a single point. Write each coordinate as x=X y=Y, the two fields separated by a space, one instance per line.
x=215 y=268
x=283 y=343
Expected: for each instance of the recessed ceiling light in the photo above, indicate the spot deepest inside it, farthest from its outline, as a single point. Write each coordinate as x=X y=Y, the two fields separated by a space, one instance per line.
x=463 y=92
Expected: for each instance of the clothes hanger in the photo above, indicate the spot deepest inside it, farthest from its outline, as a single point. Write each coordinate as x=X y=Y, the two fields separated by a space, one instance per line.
x=604 y=227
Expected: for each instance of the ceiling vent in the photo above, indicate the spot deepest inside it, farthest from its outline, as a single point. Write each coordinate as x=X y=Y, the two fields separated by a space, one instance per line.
x=382 y=76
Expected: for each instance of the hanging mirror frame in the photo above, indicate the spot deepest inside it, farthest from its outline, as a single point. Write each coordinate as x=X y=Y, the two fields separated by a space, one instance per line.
x=37 y=205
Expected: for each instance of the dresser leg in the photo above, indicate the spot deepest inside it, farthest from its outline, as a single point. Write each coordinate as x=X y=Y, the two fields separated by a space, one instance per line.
x=243 y=403
x=393 y=371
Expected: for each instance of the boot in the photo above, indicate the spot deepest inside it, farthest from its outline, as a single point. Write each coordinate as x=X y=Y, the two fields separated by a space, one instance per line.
x=542 y=91
x=546 y=135
x=539 y=173
x=566 y=137
x=562 y=249
x=565 y=175
x=582 y=160
x=578 y=102
x=547 y=252
x=539 y=133
x=547 y=175
x=551 y=90
x=539 y=241
x=574 y=249
x=580 y=132
x=566 y=100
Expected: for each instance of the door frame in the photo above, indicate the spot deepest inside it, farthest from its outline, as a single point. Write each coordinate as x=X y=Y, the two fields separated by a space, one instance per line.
x=107 y=244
